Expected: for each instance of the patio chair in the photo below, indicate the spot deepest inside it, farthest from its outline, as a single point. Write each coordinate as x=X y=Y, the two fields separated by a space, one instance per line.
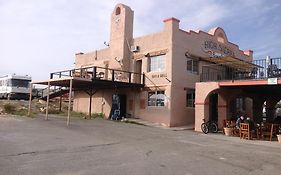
x=245 y=131
x=269 y=130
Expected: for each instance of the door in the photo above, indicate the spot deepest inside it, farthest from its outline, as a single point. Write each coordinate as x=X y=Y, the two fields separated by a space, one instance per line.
x=118 y=106
x=213 y=110
x=138 y=69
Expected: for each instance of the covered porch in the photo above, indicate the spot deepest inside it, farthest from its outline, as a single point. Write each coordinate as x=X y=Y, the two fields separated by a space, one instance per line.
x=90 y=80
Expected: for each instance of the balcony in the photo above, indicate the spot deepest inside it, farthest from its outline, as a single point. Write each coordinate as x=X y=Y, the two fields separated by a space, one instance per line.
x=258 y=69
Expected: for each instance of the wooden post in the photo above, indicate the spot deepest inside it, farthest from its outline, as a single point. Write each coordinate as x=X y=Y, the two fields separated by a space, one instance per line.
x=48 y=99
x=30 y=99
x=90 y=106
x=69 y=101
x=60 y=102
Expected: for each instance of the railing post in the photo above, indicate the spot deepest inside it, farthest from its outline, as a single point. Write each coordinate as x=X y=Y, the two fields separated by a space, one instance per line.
x=112 y=75
x=130 y=77
x=94 y=72
x=60 y=75
x=143 y=78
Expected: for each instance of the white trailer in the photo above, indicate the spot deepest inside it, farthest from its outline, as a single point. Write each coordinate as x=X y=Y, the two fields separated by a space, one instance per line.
x=15 y=87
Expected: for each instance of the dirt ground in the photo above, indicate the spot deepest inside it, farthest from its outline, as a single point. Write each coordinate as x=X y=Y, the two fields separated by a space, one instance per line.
x=98 y=146
x=37 y=106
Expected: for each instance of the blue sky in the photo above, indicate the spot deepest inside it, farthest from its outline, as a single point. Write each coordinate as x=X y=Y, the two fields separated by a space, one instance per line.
x=42 y=36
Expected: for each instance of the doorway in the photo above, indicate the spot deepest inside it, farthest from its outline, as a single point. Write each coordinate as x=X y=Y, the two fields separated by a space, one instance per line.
x=213 y=110
x=138 y=69
x=118 y=106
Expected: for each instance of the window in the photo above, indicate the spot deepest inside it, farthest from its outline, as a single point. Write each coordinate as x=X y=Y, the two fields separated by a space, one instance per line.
x=240 y=104
x=192 y=65
x=18 y=83
x=118 y=11
x=156 y=98
x=157 y=63
x=190 y=98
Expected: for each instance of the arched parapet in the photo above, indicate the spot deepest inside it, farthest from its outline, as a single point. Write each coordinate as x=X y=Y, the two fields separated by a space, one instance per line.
x=219 y=34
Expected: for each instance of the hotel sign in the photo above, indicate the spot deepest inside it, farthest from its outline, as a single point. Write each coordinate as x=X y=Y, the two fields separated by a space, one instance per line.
x=159 y=76
x=214 y=48
x=272 y=81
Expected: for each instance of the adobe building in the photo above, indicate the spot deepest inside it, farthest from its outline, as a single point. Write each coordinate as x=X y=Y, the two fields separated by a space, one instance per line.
x=171 y=61
x=154 y=77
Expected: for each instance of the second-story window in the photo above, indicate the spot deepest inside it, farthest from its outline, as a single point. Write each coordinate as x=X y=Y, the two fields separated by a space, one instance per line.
x=157 y=63
x=192 y=65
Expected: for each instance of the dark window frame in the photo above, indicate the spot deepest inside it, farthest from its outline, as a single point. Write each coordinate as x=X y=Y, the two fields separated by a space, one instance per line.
x=190 y=98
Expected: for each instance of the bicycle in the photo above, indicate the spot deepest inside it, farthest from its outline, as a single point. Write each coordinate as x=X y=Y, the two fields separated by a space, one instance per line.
x=209 y=126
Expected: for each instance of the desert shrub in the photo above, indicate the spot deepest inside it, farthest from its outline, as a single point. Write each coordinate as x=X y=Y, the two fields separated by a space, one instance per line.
x=53 y=111
x=98 y=115
x=9 y=108
x=21 y=112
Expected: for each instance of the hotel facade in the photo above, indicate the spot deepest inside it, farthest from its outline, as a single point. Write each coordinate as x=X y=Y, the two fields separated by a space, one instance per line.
x=171 y=61
x=173 y=77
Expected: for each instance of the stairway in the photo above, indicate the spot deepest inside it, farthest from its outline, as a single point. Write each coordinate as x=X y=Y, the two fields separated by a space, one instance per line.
x=54 y=93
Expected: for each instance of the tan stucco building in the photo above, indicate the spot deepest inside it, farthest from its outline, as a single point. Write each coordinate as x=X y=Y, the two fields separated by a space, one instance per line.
x=172 y=61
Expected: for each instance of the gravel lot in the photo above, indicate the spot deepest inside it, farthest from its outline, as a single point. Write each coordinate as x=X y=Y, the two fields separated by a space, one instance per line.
x=34 y=146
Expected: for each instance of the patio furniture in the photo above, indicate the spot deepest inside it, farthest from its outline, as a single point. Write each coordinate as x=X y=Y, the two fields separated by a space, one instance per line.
x=269 y=130
x=245 y=131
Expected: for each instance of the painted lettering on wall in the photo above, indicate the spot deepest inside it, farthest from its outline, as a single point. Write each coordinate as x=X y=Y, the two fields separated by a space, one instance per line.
x=159 y=75
x=213 y=46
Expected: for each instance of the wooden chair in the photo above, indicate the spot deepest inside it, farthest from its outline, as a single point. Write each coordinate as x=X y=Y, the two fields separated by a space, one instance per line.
x=269 y=130
x=266 y=131
x=245 y=131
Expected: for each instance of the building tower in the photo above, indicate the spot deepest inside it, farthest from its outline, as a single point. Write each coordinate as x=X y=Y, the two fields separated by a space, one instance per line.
x=121 y=36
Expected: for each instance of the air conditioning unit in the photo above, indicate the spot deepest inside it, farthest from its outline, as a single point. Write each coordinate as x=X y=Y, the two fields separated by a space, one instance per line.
x=135 y=48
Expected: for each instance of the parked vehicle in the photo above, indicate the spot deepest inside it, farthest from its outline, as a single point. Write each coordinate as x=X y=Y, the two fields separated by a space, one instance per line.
x=15 y=87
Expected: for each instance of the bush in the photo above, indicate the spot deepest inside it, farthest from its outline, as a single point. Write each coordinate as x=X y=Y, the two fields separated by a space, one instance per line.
x=21 y=112
x=9 y=108
x=97 y=115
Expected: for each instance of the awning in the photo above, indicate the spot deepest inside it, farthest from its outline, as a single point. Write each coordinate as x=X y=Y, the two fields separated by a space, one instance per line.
x=232 y=62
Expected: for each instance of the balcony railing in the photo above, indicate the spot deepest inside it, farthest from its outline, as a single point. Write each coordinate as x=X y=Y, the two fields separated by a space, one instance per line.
x=266 y=68
x=101 y=73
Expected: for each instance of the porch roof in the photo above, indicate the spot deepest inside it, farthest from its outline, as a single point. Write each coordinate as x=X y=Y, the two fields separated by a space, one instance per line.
x=85 y=84
x=232 y=62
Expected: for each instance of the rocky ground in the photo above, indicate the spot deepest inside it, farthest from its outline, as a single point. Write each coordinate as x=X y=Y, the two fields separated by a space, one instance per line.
x=20 y=107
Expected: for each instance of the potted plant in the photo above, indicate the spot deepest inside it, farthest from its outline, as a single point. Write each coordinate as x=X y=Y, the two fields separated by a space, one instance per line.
x=228 y=130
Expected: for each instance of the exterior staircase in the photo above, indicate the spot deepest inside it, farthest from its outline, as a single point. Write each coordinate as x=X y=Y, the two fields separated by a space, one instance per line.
x=54 y=93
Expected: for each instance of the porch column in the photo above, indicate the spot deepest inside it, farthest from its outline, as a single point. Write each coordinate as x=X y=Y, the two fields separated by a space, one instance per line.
x=30 y=99
x=201 y=112
x=202 y=92
x=69 y=102
x=270 y=109
x=48 y=99
x=257 y=110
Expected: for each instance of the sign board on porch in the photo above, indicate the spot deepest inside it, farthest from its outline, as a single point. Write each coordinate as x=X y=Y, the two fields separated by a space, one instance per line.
x=272 y=81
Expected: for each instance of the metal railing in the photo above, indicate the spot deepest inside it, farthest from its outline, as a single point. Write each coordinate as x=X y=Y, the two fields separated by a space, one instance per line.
x=101 y=73
x=266 y=68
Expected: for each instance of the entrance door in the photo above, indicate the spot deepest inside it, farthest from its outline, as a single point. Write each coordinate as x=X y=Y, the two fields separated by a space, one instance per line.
x=138 y=69
x=118 y=106
x=213 y=110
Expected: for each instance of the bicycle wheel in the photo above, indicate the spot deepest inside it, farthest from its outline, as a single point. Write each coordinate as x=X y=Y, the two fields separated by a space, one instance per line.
x=213 y=127
x=204 y=128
